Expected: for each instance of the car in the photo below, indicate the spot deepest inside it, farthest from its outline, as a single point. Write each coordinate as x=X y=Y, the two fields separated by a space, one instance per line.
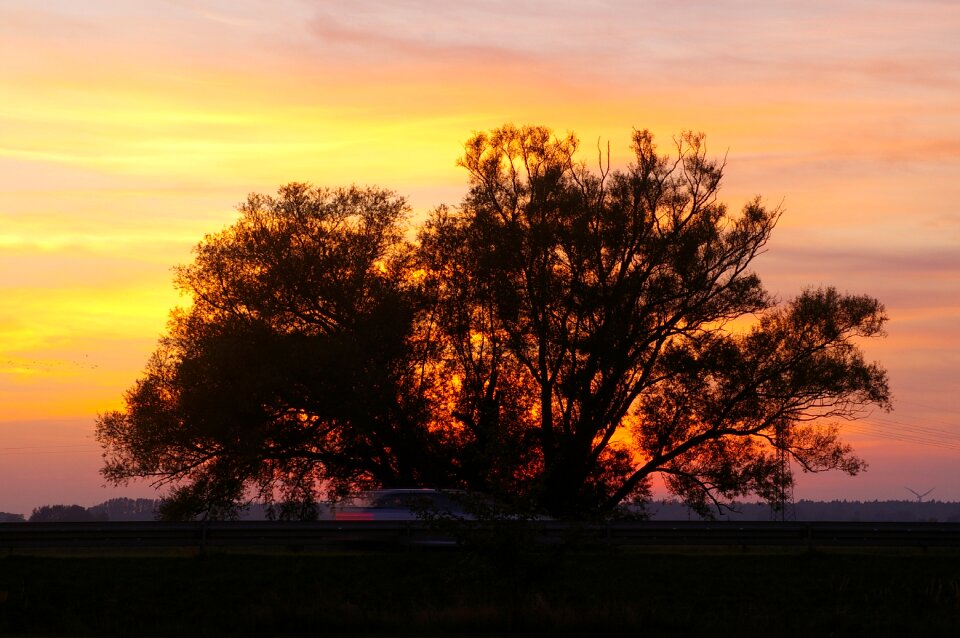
x=405 y=505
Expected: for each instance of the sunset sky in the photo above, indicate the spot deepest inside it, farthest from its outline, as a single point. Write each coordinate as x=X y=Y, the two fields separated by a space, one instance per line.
x=129 y=129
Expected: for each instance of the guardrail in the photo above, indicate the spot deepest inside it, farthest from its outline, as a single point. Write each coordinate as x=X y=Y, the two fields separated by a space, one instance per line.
x=341 y=534
x=785 y=534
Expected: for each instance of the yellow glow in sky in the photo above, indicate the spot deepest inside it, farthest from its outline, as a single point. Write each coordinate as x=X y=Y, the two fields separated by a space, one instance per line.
x=128 y=130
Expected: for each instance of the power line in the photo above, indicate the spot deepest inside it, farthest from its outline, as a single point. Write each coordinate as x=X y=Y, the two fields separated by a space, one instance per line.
x=919 y=431
x=908 y=434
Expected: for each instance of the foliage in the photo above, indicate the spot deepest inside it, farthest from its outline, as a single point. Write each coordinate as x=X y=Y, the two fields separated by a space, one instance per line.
x=557 y=340
x=7 y=517
x=126 y=509
x=592 y=317
x=288 y=370
x=65 y=514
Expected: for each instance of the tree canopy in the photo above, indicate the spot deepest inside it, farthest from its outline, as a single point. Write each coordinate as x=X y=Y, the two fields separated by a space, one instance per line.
x=557 y=339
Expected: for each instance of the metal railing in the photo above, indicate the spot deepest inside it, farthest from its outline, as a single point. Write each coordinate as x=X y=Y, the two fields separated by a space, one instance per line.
x=358 y=534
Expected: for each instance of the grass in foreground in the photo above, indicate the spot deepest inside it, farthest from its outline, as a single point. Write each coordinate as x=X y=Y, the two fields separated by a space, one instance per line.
x=457 y=593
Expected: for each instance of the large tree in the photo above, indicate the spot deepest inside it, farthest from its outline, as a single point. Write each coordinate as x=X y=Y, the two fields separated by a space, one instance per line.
x=559 y=338
x=607 y=321
x=288 y=371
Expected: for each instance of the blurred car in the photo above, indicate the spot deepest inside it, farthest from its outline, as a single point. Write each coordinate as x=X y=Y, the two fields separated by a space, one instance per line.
x=404 y=505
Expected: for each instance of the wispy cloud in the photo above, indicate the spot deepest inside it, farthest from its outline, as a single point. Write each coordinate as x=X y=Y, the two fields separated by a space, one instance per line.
x=130 y=129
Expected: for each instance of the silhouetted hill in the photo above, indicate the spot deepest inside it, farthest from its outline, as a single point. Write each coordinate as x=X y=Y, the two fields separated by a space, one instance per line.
x=7 y=517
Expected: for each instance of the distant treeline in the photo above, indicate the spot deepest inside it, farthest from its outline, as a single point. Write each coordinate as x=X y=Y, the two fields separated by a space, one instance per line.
x=116 y=509
x=896 y=511
x=145 y=509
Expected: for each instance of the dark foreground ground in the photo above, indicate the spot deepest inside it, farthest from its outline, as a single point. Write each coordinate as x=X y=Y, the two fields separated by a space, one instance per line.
x=417 y=592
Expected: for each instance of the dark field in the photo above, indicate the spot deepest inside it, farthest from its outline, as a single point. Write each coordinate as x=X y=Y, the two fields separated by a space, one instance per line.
x=459 y=593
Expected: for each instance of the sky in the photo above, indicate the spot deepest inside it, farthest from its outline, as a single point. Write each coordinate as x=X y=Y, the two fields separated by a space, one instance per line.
x=129 y=129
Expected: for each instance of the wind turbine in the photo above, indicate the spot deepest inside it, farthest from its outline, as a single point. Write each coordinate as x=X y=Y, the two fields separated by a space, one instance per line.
x=918 y=494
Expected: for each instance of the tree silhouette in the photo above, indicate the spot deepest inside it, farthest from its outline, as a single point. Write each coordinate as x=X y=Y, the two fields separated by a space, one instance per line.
x=559 y=338
x=288 y=370
x=65 y=514
x=608 y=300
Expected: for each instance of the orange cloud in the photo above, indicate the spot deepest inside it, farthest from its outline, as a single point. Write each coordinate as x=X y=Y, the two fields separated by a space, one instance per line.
x=129 y=130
